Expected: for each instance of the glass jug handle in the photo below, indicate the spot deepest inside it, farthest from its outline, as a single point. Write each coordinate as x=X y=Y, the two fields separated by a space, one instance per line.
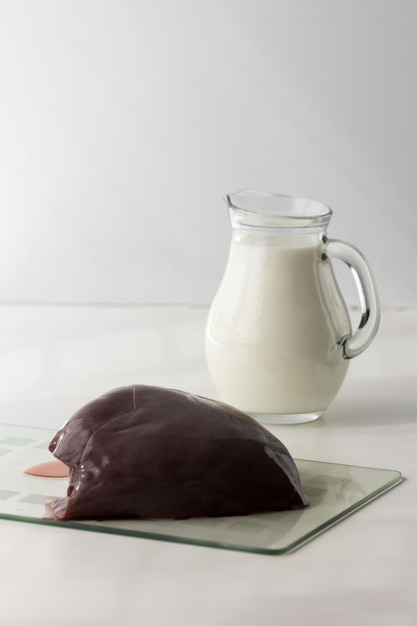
x=368 y=295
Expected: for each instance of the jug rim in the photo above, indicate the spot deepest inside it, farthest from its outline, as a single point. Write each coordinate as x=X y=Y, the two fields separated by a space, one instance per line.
x=251 y=207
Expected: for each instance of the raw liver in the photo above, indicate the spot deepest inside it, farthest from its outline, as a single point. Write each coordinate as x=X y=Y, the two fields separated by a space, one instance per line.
x=149 y=452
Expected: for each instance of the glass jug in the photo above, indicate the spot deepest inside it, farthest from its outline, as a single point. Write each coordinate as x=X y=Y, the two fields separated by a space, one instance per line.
x=278 y=337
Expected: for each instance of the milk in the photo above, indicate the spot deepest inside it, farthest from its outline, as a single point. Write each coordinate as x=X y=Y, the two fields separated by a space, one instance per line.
x=275 y=329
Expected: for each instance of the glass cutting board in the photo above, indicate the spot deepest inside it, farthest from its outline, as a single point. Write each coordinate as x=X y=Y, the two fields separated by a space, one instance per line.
x=335 y=491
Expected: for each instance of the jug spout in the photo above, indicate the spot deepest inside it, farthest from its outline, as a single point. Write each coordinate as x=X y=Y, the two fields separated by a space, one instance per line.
x=250 y=207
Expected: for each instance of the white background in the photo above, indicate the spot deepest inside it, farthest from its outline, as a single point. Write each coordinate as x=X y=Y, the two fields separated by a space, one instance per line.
x=124 y=123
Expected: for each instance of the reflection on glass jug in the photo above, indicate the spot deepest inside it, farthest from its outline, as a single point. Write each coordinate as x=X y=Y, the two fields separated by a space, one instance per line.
x=278 y=335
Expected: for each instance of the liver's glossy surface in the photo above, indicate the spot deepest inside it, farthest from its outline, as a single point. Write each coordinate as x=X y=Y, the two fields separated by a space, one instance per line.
x=146 y=451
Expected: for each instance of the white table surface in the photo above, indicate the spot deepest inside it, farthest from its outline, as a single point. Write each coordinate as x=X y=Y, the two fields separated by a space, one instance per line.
x=362 y=571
